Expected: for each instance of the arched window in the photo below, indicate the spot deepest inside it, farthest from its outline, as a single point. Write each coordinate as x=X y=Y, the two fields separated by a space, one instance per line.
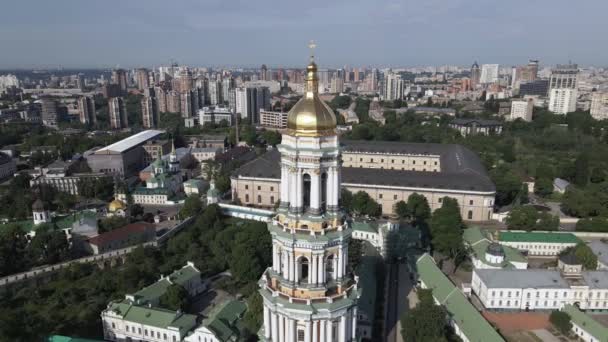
x=324 y=191
x=329 y=267
x=470 y=215
x=303 y=268
x=306 y=187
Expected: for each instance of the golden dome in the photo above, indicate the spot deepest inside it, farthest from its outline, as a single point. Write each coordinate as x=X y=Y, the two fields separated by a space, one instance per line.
x=311 y=116
x=116 y=205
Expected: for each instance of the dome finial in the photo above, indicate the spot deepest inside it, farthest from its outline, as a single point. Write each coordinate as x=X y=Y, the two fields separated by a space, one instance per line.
x=312 y=46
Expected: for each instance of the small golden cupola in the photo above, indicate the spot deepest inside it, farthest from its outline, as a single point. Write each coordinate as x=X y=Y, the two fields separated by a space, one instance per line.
x=311 y=116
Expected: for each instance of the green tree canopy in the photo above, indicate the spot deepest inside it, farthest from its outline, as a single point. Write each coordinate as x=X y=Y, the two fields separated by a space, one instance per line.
x=192 y=206
x=561 y=321
x=446 y=228
x=425 y=322
x=175 y=298
x=418 y=207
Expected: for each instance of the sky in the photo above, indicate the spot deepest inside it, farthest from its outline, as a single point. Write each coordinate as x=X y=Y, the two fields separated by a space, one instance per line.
x=382 y=33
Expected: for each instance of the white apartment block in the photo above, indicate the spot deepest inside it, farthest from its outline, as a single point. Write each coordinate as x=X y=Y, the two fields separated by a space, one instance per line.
x=273 y=119
x=535 y=289
x=562 y=100
x=521 y=109
x=489 y=73
x=599 y=105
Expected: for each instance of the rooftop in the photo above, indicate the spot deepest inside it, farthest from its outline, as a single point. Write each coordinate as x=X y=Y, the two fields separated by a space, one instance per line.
x=222 y=321
x=542 y=237
x=121 y=233
x=518 y=279
x=130 y=142
x=151 y=293
x=460 y=167
x=155 y=317
x=478 y=122
x=600 y=249
x=462 y=312
x=587 y=323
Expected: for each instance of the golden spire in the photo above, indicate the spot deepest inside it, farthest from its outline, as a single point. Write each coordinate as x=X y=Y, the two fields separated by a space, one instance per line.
x=311 y=116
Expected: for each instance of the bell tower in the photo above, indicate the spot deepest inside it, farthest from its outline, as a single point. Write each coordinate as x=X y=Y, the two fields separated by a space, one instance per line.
x=309 y=292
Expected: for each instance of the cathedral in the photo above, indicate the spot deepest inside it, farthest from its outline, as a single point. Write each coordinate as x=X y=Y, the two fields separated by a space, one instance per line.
x=310 y=293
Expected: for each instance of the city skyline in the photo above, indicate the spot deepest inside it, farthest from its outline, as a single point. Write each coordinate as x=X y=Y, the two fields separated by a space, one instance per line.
x=216 y=33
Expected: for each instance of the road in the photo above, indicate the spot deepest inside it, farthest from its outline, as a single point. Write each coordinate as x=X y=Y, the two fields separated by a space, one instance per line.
x=399 y=286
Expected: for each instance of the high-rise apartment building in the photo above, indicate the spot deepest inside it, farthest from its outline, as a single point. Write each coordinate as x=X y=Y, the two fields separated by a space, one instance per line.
x=184 y=82
x=49 y=112
x=142 y=77
x=273 y=119
x=521 y=109
x=250 y=100
x=86 y=110
x=489 y=73
x=264 y=76
x=475 y=75
x=188 y=103
x=161 y=99
x=149 y=112
x=228 y=85
x=393 y=87
x=117 y=110
x=599 y=105
x=119 y=77
x=337 y=85
x=215 y=92
x=173 y=102
x=524 y=74
x=563 y=89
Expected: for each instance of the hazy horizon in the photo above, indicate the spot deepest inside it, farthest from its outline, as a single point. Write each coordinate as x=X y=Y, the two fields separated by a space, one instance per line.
x=75 y=34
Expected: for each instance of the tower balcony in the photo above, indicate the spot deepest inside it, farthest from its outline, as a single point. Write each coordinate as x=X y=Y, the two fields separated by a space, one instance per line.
x=311 y=224
x=303 y=293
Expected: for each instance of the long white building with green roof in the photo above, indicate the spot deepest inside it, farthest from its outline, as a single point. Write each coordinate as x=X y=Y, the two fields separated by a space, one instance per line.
x=585 y=327
x=538 y=243
x=467 y=322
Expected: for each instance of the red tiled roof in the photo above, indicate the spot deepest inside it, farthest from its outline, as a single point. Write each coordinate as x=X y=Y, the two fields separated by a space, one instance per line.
x=121 y=233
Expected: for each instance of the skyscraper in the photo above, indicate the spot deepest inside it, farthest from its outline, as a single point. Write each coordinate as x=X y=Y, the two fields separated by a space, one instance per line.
x=118 y=113
x=599 y=105
x=264 y=73
x=563 y=89
x=149 y=111
x=215 y=92
x=250 y=100
x=524 y=74
x=393 y=87
x=119 y=77
x=142 y=77
x=49 y=111
x=475 y=75
x=489 y=73
x=86 y=110
x=309 y=293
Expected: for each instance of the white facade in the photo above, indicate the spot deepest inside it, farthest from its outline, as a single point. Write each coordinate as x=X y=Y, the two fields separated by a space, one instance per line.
x=214 y=115
x=535 y=289
x=393 y=87
x=489 y=73
x=521 y=109
x=562 y=100
x=539 y=248
x=599 y=105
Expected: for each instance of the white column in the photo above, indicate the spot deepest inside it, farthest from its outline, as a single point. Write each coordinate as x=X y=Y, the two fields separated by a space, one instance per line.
x=291 y=265
x=323 y=335
x=274 y=257
x=292 y=189
x=266 y=322
x=321 y=270
x=340 y=262
x=315 y=198
x=335 y=266
x=329 y=332
x=275 y=332
x=281 y=328
x=284 y=184
x=292 y=331
x=354 y=323
x=328 y=189
x=344 y=261
x=315 y=331
x=307 y=332
x=312 y=269
x=296 y=270
x=299 y=189
x=343 y=328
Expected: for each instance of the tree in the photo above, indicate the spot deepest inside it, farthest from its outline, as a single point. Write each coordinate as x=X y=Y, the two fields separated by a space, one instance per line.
x=363 y=204
x=13 y=243
x=597 y=175
x=418 y=207
x=507 y=184
x=272 y=137
x=346 y=199
x=401 y=210
x=192 y=206
x=522 y=218
x=543 y=187
x=175 y=298
x=253 y=316
x=593 y=224
x=546 y=221
x=425 y=322
x=561 y=321
x=581 y=176
x=585 y=256
x=446 y=228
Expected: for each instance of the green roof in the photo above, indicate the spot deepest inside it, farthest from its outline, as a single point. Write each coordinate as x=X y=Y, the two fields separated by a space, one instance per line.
x=60 y=338
x=541 y=237
x=146 y=191
x=222 y=321
x=469 y=320
x=368 y=227
x=153 y=292
x=587 y=323
x=152 y=316
x=476 y=238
